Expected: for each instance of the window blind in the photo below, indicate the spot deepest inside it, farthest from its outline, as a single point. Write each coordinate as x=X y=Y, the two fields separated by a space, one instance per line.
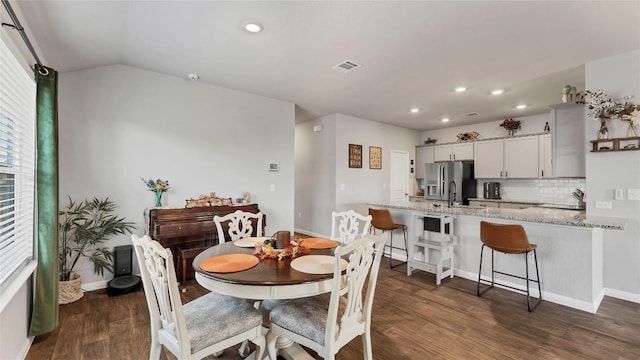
x=17 y=162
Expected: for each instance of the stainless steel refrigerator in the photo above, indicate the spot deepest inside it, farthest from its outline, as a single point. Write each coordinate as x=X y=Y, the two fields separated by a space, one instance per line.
x=450 y=180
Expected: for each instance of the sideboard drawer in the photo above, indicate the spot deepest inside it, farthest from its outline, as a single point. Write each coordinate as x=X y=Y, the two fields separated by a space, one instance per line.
x=175 y=229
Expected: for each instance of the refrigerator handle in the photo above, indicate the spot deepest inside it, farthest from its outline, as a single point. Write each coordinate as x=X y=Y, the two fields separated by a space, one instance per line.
x=442 y=180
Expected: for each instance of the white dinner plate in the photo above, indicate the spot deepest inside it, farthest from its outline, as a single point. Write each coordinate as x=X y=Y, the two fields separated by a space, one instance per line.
x=316 y=264
x=250 y=241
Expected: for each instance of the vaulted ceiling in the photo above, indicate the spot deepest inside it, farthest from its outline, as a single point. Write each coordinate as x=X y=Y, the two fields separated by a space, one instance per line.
x=412 y=54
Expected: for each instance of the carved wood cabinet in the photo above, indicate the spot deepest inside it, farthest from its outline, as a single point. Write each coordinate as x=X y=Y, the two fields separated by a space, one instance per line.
x=186 y=232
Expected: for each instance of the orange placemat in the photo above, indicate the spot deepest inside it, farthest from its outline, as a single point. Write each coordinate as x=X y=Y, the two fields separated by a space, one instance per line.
x=319 y=243
x=229 y=263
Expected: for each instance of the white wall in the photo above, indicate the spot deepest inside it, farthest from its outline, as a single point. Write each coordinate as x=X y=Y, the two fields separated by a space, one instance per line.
x=322 y=166
x=363 y=185
x=117 y=123
x=618 y=76
x=315 y=155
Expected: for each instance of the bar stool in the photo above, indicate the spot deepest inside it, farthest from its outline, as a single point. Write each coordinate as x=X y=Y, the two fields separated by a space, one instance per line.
x=508 y=239
x=382 y=220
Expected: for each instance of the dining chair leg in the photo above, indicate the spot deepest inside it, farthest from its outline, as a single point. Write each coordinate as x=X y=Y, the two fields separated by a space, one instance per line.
x=271 y=345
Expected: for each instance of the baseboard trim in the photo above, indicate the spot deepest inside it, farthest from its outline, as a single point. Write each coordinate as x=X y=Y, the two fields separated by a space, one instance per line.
x=24 y=351
x=546 y=296
x=95 y=285
x=310 y=233
x=623 y=295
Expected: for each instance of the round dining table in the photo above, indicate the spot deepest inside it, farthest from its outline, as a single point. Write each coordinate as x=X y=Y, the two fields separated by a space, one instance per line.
x=270 y=279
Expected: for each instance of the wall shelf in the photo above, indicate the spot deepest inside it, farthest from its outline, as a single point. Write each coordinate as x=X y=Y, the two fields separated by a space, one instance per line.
x=616 y=144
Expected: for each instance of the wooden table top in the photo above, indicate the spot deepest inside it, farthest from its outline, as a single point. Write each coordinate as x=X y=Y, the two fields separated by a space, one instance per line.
x=268 y=272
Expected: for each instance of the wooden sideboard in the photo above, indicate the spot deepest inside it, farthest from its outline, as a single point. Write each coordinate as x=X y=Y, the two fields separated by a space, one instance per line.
x=190 y=228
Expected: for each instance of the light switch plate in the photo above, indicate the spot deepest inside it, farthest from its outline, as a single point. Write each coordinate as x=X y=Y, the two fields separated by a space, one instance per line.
x=619 y=194
x=633 y=194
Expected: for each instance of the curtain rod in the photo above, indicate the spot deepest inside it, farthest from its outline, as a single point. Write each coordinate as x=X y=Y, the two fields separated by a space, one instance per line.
x=17 y=26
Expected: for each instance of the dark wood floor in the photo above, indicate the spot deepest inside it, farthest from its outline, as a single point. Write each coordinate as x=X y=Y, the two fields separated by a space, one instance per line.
x=412 y=319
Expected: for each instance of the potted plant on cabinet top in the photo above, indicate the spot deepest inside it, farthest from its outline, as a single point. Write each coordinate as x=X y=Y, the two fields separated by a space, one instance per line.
x=84 y=227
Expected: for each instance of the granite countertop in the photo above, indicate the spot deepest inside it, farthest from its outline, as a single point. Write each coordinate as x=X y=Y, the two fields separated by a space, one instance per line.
x=577 y=218
x=531 y=202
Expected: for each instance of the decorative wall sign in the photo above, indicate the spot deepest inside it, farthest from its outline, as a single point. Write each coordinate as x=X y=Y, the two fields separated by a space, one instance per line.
x=355 y=156
x=375 y=157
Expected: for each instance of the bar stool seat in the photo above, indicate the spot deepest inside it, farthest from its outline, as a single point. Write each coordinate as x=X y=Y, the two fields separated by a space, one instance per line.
x=508 y=239
x=382 y=220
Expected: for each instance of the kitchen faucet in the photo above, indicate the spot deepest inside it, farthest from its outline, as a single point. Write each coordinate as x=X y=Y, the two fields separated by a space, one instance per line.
x=450 y=200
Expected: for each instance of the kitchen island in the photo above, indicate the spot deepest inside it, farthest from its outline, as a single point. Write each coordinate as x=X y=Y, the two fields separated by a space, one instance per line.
x=570 y=246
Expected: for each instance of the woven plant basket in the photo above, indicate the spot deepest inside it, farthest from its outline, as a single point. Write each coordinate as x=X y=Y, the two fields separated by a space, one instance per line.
x=70 y=291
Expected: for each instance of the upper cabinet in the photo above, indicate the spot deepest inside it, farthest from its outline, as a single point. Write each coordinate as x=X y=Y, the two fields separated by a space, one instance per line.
x=424 y=155
x=545 y=156
x=453 y=152
x=521 y=157
x=512 y=158
x=568 y=140
x=489 y=159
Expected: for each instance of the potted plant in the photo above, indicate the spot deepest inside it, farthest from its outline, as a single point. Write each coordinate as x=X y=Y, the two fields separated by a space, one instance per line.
x=85 y=226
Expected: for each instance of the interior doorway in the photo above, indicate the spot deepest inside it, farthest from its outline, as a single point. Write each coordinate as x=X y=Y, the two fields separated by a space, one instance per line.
x=399 y=183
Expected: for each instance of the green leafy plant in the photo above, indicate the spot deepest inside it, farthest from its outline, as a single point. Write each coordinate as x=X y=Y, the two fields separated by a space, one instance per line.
x=85 y=226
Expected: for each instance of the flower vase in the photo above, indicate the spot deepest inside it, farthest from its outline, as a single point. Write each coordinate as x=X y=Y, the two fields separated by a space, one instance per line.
x=603 y=132
x=631 y=129
x=510 y=132
x=159 y=198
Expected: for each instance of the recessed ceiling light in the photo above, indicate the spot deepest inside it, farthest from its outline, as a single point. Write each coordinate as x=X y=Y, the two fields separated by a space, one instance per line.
x=253 y=27
x=461 y=89
x=414 y=110
x=445 y=119
x=521 y=106
x=497 y=92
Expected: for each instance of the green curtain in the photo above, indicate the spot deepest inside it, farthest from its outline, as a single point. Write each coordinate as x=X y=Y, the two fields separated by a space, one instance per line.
x=44 y=317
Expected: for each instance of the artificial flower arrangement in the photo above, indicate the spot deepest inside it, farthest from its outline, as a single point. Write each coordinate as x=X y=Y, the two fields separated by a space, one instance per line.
x=510 y=124
x=158 y=186
x=267 y=250
x=208 y=200
x=601 y=106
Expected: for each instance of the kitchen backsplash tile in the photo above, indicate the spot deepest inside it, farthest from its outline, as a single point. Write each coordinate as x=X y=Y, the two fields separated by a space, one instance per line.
x=556 y=191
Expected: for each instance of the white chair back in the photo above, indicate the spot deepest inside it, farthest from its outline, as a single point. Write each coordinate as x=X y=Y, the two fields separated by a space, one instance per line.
x=168 y=326
x=364 y=256
x=240 y=225
x=349 y=225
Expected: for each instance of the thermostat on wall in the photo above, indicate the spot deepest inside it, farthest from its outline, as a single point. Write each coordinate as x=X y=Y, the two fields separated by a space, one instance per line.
x=274 y=166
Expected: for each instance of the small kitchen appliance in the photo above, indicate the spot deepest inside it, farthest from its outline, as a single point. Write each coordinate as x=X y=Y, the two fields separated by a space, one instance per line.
x=492 y=190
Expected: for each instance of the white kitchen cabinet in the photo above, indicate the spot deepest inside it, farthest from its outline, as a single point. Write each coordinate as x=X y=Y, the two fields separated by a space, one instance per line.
x=489 y=159
x=452 y=152
x=424 y=155
x=521 y=157
x=569 y=148
x=545 y=156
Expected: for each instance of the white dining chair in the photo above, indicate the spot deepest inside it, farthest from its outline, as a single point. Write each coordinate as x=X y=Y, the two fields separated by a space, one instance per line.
x=326 y=323
x=239 y=225
x=203 y=326
x=348 y=225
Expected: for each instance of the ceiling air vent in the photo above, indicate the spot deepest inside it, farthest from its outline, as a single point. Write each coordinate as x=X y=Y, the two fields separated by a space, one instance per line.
x=346 y=66
x=471 y=114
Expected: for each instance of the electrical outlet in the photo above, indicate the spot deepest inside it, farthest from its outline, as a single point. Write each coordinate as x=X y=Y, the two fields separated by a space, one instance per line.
x=341 y=186
x=603 y=204
x=272 y=187
x=633 y=194
x=299 y=215
x=619 y=194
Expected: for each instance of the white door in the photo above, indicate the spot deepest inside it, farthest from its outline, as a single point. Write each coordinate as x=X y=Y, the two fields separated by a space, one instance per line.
x=399 y=175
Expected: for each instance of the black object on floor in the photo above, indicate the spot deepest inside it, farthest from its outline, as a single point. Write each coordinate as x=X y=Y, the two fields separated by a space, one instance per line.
x=123 y=282
x=123 y=285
